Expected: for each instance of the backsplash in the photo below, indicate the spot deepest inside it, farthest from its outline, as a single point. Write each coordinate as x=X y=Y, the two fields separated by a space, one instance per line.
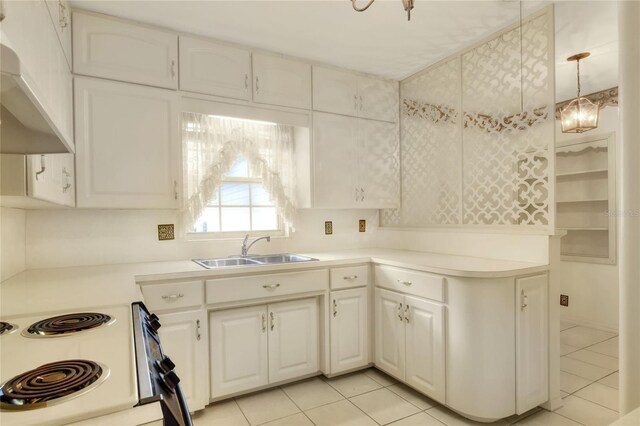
x=61 y=238
x=12 y=250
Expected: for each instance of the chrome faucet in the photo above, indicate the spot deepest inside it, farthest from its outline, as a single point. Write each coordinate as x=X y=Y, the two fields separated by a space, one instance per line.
x=245 y=247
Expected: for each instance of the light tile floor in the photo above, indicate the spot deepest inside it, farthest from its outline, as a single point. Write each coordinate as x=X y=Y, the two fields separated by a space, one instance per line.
x=589 y=384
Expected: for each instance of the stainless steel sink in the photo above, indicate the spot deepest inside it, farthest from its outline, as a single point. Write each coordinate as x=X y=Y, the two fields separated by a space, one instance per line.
x=281 y=258
x=225 y=261
x=255 y=260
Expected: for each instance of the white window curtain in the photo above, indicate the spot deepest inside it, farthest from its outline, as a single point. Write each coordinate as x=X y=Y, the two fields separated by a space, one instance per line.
x=213 y=144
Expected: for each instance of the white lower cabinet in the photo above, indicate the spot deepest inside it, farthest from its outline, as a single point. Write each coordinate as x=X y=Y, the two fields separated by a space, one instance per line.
x=410 y=341
x=252 y=347
x=349 y=330
x=183 y=338
x=532 y=343
x=238 y=340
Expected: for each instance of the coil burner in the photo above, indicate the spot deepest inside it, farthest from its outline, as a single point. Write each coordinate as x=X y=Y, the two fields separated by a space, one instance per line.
x=6 y=327
x=67 y=324
x=51 y=383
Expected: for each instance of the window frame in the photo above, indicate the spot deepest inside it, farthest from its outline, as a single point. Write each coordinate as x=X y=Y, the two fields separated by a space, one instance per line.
x=281 y=231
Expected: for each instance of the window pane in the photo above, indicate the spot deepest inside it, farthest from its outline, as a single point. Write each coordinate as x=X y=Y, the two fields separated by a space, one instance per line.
x=239 y=169
x=264 y=219
x=209 y=221
x=215 y=201
x=235 y=194
x=235 y=219
x=259 y=196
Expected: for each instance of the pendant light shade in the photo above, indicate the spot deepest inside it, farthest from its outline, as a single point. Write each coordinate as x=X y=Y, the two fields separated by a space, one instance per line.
x=580 y=115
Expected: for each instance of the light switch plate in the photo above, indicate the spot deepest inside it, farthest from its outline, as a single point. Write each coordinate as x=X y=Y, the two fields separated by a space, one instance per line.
x=362 y=225
x=166 y=232
x=564 y=300
x=328 y=227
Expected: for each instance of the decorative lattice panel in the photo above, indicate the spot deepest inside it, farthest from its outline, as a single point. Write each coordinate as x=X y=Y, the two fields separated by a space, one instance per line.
x=490 y=164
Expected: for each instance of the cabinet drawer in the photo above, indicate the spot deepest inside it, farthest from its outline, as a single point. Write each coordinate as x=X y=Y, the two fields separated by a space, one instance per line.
x=349 y=276
x=258 y=286
x=412 y=282
x=158 y=297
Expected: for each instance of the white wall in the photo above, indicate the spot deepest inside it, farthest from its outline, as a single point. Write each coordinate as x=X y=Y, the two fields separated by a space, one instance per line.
x=592 y=287
x=12 y=242
x=523 y=247
x=59 y=238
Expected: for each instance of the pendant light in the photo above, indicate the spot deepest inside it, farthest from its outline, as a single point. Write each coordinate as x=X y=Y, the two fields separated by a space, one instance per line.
x=580 y=115
x=407 y=4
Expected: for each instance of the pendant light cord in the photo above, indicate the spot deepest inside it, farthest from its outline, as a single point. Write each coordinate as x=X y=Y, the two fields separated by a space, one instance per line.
x=578 y=71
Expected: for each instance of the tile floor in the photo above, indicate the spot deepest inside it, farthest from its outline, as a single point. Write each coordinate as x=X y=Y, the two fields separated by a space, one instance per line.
x=589 y=382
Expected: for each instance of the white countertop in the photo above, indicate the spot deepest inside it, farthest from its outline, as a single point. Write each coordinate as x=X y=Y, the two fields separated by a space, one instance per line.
x=59 y=289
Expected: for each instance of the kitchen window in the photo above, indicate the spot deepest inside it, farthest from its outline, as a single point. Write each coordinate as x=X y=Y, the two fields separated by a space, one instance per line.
x=240 y=204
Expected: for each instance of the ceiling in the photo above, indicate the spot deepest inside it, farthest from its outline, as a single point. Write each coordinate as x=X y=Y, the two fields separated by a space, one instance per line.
x=380 y=40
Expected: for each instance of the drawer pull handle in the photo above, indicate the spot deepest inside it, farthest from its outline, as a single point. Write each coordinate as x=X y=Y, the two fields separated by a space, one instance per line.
x=407 y=283
x=406 y=313
x=173 y=296
x=198 y=330
x=351 y=277
x=335 y=308
x=271 y=286
x=400 y=312
x=273 y=320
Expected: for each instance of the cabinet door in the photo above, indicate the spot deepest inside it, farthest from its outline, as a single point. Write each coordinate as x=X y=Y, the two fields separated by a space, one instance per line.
x=334 y=161
x=293 y=339
x=50 y=177
x=238 y=350
x=128 y=145
x=425 y=368
x=349 y=330
x=110 y=48
x=378 y=99
x=335 y=91
x=183 y=336
x=280 y=81
x=389 y=332
x=214 y=69
x=531 y=342
x=378 y=164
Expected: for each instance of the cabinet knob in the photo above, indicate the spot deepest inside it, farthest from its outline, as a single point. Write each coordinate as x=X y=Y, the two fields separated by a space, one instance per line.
x=400 y=313
x=264 y=323
x=257 y=85
x=273 y=320
x=406 y=313
x=198 y=330
x=523 y=300
x=173 y=69
x=335 y=308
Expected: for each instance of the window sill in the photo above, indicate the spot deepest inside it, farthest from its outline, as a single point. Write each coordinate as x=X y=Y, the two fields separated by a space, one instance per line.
x=233 y=236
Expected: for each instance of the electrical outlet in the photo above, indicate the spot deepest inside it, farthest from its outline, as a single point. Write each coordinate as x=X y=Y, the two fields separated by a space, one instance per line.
x=564 y=300
x=166 y=232
x=362 y=225
x=328 y=227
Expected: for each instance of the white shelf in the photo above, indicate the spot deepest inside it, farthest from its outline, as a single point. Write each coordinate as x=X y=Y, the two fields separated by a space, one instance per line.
x=581 y=172
x=585 y=229
x=594 y=200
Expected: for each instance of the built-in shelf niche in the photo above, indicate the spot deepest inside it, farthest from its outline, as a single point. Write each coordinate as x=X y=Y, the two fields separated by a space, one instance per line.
x=585 y=198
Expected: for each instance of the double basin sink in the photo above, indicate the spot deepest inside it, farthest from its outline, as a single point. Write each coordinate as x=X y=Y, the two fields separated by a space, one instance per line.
x=257 y=260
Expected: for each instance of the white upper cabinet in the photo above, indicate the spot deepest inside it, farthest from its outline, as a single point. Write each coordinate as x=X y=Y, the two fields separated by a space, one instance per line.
x=110 y=48
x=334 y=157
x=348 y=93
x=335 y=91
x=128 y=145
x=281 y=81
x=214 y=68
x=356 y=162
x=61 y=18
x=378 y=99
x=378 y=164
